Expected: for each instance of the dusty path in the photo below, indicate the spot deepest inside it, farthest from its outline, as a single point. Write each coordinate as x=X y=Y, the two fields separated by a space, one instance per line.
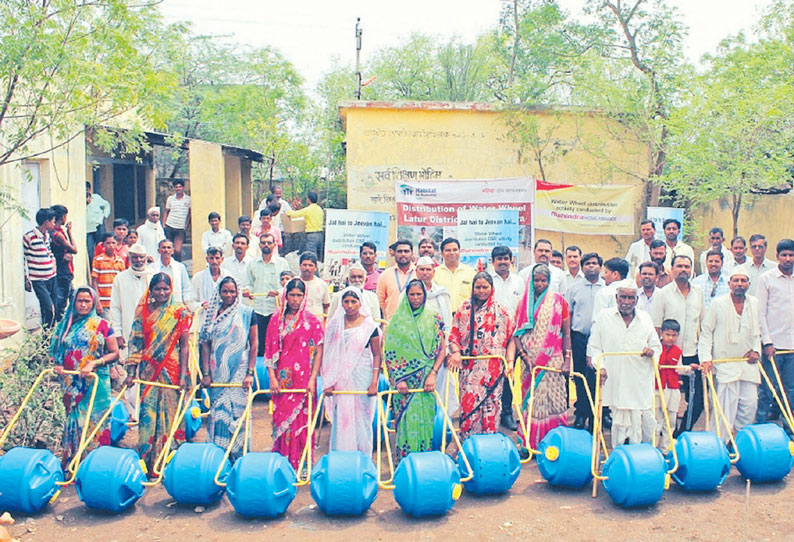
x=531 y=509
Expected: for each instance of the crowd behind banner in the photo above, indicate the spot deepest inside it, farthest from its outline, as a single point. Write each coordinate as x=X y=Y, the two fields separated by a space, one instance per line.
x=422 y=321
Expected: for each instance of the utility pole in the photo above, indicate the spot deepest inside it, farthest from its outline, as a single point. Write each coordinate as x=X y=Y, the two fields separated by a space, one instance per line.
x=358 y=58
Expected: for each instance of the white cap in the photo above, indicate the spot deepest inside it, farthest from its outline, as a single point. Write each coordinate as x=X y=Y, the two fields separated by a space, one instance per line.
x=425 y=260
x=739 y=270
x=626 y=284
x=137 y=248
x=153 y=209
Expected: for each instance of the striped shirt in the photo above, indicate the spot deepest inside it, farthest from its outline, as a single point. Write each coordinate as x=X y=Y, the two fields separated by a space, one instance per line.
x=178 y=209
x=103 y=272
x=38 y=255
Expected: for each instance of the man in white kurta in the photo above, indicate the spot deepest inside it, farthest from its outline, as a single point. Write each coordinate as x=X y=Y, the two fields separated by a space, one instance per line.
x=125 y=294
x=151 y=232
x=731 y=328
x=629 y=380
x=356 y=276
x=180 y=280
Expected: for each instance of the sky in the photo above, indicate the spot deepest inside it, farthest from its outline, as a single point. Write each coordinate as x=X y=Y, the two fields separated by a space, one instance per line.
x=311 y=33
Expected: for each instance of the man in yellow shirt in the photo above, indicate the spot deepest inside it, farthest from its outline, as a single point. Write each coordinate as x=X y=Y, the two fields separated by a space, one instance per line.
x=313 y=214
x=453 y=275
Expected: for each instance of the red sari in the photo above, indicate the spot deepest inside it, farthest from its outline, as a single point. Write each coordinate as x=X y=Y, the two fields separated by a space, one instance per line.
x=481 y=380
x=289 y=349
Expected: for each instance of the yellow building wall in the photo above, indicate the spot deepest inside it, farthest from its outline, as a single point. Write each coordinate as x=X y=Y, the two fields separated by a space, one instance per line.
x=207 y=192
x=234 y=196
x=470 y=141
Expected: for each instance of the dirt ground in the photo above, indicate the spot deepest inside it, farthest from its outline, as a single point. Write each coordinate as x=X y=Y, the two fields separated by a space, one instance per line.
x=531 y=509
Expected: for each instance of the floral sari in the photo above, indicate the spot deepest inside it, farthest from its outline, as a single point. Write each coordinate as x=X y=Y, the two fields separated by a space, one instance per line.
x=79 y=340
x=539 y=330
x=227 y=334
x=487 y=331
x=412 y=341
x=289 y=349
x=154 y=347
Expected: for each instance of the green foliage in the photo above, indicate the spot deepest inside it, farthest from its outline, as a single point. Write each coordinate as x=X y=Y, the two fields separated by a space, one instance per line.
x=67 y=64
x=41 y=423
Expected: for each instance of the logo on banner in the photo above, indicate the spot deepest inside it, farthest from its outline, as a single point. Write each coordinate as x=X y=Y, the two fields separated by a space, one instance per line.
x=407 y=190
x=419 y=192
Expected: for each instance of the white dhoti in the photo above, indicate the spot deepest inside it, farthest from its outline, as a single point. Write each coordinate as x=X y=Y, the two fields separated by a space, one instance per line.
x=672 y=399
x=633 y=424
x=739 y=401
x=451 y=397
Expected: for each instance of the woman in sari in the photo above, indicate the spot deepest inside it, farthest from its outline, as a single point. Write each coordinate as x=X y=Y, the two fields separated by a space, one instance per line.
x=415 y=350
x=158 y=352
x=351 y=361
x=293 y=350
x=481 y=327
x=228 y=341
x=543 y=332
x=83 y=342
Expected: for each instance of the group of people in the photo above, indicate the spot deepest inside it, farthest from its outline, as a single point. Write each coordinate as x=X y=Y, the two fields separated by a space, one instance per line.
x=426 y=324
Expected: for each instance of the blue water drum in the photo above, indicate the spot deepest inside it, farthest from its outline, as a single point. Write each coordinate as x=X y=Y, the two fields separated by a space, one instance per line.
x=765 y=452
x=344 y=483
x=703 y=461
x=438 y=428
x=261 y=485
x=636 y=475
x=110 y=479
x=427 y=484
x=262 y=380
x=119 y=418
x=28 y=479
x=190 y=474
x=565 y=455
x=193 y=419
x=495 y=462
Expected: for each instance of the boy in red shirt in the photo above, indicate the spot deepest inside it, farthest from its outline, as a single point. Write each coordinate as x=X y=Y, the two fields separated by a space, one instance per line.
x=671 y=355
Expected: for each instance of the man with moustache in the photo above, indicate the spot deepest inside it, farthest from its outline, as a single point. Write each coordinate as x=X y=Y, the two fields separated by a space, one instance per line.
x=263 y=277
x=356 y=276
x=682 y=301
x=427 y=248
x=393 y=280
x=649 y=272
x=674 y=247
x=368 y=254
x=659 y=256
x=180 y=280
x=731 y=328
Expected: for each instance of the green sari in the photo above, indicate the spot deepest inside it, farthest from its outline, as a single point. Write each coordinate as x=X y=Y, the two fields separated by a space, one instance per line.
x=413 y=338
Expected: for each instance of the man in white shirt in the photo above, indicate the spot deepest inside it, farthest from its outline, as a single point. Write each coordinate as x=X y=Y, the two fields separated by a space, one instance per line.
x=205 y=282
x=776 y=306
x=682 y=301
x=180 y=280
x=356 y=276
x=716 y=238
x=508 y=286
x=648 y=274
x=639 y=251
x=672 y=229
x=739 y=251
x=759 y=264
x=263 y=278
x=731 y=328
x=615 y=269
x=217 y=236
x=628 y=380
x=573 y=266
x=542 y=254
x=238 y=263
x=319 y=298
x=151 y=232
x=125 y=295
x=177 y=217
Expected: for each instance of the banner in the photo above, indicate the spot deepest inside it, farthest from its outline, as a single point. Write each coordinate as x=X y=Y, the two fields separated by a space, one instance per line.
x=345 y=231
x=585 y=209
x=480 y=231
x=429 y=209
x=660 y=214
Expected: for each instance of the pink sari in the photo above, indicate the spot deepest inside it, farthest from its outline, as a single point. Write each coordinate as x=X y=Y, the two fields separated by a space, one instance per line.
x=289 y=349
x=541 y=338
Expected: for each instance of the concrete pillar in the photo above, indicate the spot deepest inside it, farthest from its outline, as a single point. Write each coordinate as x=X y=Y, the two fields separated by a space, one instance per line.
x=233 y=192
x=247 y=190
x=207 y=191
x=151 y=188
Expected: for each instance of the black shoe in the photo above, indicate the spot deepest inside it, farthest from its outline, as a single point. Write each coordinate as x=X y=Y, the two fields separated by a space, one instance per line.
x=580 y=422
x=508 y=422
x=606 y=421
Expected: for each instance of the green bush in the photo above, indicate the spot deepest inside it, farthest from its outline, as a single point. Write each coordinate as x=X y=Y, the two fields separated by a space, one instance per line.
x=42 y=421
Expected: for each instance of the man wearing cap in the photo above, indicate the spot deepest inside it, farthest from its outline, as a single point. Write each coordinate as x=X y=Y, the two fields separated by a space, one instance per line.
x=125 y=294
x=731 y=328
x=357 y=276
x=628 y=381
x=151 y=232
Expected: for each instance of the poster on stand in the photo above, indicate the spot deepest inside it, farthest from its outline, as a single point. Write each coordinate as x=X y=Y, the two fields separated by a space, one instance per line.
x=480 y=231
x=585 y=209
x=660 y=214
x=345 y=231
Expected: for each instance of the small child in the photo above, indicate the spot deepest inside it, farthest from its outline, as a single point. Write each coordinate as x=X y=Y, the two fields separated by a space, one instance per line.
x=671 y=355
x=132 y=238
x=285 y=277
